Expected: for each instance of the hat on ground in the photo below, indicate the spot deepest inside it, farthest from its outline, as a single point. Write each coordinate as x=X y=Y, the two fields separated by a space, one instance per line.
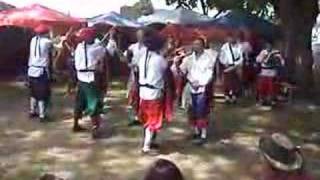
x=280 y=152
x=86 y=34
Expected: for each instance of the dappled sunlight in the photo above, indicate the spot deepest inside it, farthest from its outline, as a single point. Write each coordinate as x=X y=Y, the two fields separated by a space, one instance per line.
x=250 y=142
x=176 y=130
x=33 y=136
x=227 y=164
x=28 y=148
x=118 y=92
x=65 y=155
x=258 y=119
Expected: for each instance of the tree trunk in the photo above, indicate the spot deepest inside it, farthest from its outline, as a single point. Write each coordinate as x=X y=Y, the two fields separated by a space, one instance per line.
x=307 y=20
x=305 y=53
x=286 y=11
x=297 y=20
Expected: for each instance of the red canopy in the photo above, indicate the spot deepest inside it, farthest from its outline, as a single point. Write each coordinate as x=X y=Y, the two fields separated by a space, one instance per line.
x=34 y=15
x=182 y=33
x=186 y=34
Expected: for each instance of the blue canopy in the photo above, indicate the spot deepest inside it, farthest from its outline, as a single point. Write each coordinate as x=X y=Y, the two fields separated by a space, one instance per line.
x=113 y=19
x=237 y=20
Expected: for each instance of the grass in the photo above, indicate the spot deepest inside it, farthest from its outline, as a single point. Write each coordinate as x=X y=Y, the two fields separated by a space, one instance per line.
x=29 y=149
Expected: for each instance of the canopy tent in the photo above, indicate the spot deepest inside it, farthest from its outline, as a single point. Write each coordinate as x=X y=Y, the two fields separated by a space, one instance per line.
x=5 y=6
x=34 y=15
x=113 y=19
x=186 y=34
x=235 y=20
x=177 y=16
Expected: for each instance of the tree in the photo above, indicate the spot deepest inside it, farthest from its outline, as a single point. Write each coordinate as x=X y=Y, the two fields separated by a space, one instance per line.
x=296 y=19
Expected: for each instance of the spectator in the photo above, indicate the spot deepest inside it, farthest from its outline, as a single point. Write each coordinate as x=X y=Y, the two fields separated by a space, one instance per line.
x=163 y=170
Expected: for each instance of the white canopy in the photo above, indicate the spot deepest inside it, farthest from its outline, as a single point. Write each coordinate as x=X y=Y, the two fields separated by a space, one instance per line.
x=113 y=19
x=177 y=16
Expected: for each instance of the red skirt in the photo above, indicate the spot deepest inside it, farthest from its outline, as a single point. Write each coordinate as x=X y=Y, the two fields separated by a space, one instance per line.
x=248 y=75
x=151 y=114
x=266 y=86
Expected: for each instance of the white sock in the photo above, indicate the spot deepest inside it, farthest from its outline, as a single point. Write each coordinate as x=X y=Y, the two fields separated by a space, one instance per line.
x=203 y=133
x=33 y=105
x=196 y=130
x=147 y=140
x=42 y=109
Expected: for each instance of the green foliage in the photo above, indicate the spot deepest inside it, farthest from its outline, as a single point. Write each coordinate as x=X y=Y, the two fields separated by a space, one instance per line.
x=262 y=8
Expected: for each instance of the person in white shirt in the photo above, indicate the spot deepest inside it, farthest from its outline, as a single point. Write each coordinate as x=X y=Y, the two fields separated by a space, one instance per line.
x=89 y=61
x=231 y=57
x=248 y=77
x=112 y=45
x=39 y=67
x=152 y=67
x=133 y=54
x=270 y=60
x=113 y=48
x=199 y=69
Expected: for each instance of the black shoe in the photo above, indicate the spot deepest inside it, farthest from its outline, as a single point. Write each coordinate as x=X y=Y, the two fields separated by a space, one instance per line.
x=151 y=152
x=44 y=119
x=200 y=141
x=33 y=115
x=154 y=146
x=134 y=123
x=78 y=128
x=95 y=133
x=195 y=136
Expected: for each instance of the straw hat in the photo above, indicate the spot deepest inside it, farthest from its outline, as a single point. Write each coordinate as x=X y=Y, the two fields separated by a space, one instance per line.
x=280 y=152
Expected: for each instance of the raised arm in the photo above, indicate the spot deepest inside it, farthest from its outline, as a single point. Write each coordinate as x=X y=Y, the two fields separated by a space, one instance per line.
x=262 y=56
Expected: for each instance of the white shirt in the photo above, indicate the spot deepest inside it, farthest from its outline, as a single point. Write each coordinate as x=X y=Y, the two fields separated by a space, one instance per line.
x=226 y=55
x=40 y=48
x=138 y=50
x=152 y=68
x=265 y=71
x=112 y=47
x=199 y=68
x=95 y=53
x=246 y=48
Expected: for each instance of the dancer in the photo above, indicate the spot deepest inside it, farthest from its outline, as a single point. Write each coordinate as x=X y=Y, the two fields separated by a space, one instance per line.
x=198 y=69
x=248 y=77
x=89 y=57
x=152 y=69
x=231 y=57
x=39 y=73
x=270 y=60
x=133 y=54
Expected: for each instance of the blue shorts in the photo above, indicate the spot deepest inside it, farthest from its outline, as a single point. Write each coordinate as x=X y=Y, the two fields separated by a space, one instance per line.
x=199 y=106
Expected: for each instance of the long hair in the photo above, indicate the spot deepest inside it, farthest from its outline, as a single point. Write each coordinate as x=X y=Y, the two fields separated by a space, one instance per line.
x=164 y=170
